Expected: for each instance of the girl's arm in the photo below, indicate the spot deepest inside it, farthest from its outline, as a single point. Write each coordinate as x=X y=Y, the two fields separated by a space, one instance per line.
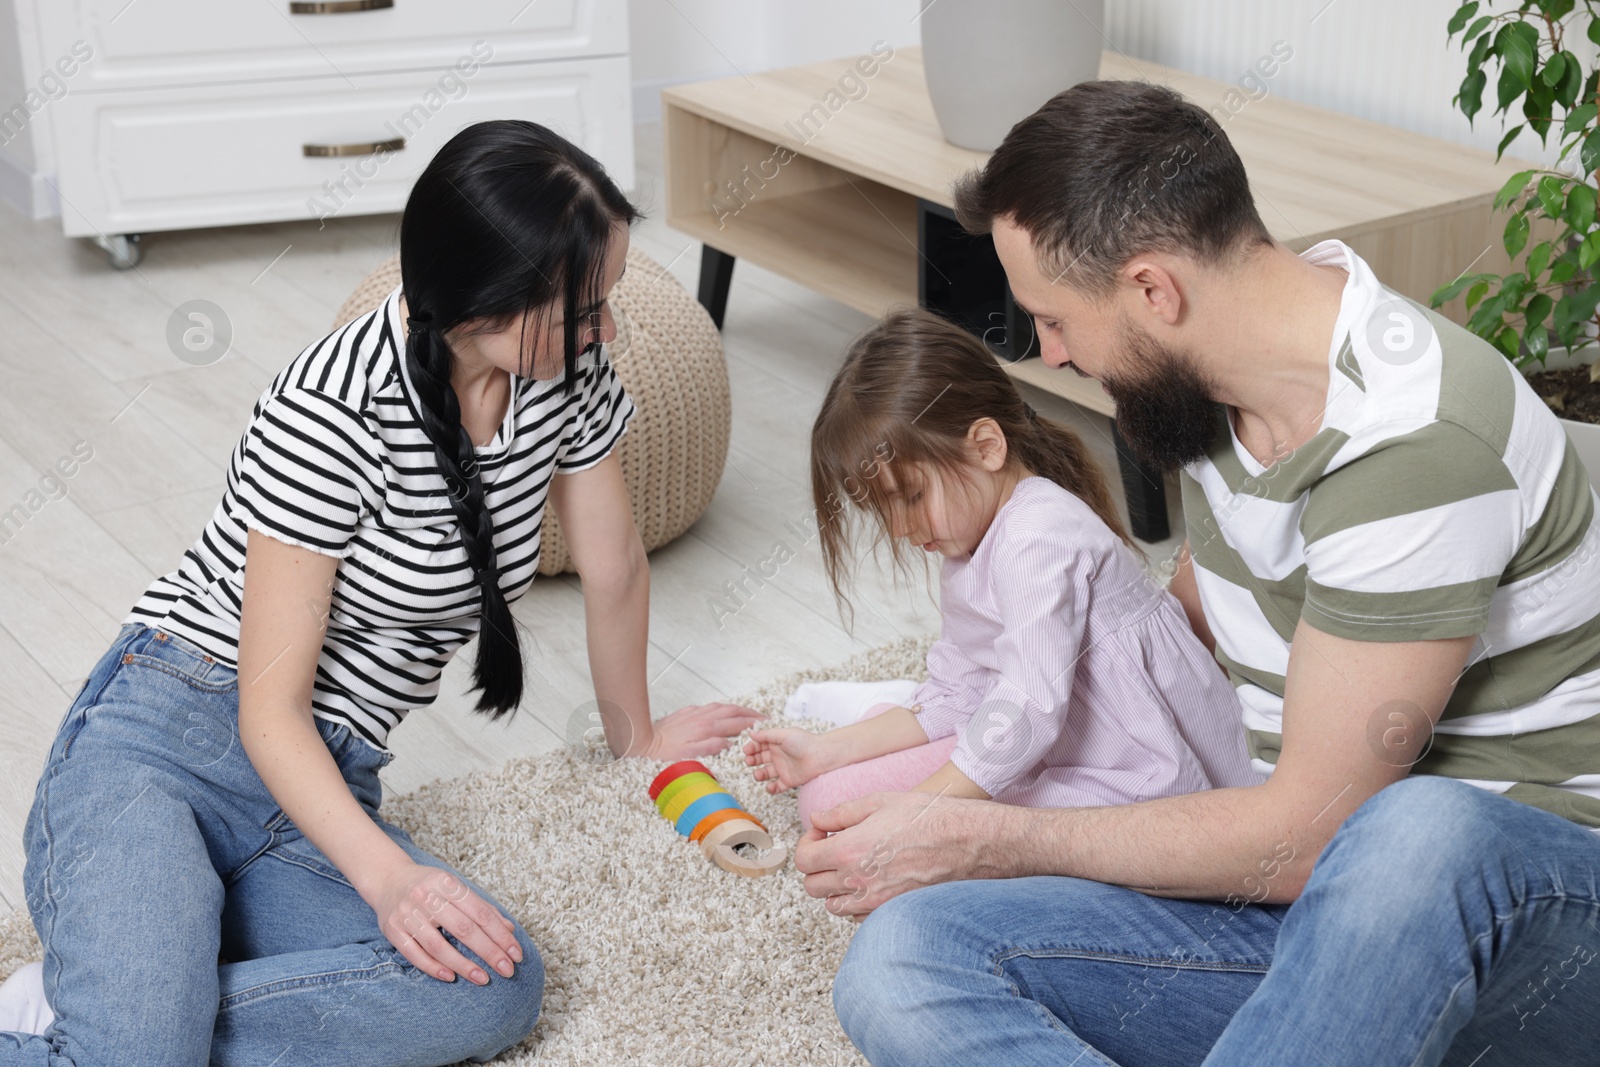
x=949 y=781
x=788 y=757
x=287 y=591
x=894 y=730
x=1043 y=568
x=596 y=518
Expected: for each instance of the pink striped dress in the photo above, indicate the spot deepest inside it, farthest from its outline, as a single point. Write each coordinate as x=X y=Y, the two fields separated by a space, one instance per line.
x=1063 y=675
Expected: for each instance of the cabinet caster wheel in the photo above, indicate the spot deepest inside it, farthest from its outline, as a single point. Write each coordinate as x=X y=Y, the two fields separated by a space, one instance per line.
x=123 y=250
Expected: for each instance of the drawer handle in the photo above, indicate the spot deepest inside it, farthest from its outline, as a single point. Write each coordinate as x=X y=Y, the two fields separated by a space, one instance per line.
x=364 y=148
x=336 y=7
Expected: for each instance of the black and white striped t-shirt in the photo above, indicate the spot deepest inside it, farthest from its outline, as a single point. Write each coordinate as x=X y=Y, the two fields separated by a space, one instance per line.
x=335 y=460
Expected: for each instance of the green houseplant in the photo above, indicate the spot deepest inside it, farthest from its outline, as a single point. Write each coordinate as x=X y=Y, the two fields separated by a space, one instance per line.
x=1540 y=85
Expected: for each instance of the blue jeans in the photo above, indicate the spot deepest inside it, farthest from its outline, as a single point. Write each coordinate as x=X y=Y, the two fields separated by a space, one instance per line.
x=1441 y=924
x=186 y=921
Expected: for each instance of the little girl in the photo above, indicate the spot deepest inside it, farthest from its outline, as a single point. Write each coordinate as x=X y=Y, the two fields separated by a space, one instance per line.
x=1063 y=675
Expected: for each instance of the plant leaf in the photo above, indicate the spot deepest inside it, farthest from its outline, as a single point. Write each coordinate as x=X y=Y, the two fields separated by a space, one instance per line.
x=1555 y=68
x=1583 y=303
x=1589 y=154
x=1471 y=95
x=1507 y=90
x=1571 y=83
x=1537 y=105
x=1487 y=319
x=1517 y=53
x=1578 y=118
x=1589 y=251
x=1516 y=235
x=1518 y=46
x=1551 y=196
x=1573 y=310
x=1459 y=19
x=1568 y=334
x=1480 y=51
x=1446 y=293
x=1476 y=28
x=1580 y=207
x=1538 y=308
x=1537 y=338
x=1514 y=185
x=1510 y=86
x=1539 y=259
x=1511 y=135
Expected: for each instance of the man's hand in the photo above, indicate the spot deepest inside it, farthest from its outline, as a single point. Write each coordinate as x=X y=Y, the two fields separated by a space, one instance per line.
x=889 y=843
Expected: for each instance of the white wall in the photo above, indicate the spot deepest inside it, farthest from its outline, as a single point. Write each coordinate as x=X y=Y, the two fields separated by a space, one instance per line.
x=694 y=40
x=1385 y=60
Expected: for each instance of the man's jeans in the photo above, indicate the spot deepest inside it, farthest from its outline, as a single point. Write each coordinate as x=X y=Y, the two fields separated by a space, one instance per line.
x=186 y=921
x=1442 y=924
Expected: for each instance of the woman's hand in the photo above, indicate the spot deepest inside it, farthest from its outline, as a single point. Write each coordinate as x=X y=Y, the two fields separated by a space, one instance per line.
x=414 y=901
x=697 y=730
x=788 y=758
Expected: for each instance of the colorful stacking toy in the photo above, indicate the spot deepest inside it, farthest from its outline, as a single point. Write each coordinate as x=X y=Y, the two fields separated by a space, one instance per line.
x=690 y=797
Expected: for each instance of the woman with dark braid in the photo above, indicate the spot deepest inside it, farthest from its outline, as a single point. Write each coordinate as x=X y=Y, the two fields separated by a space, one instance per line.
x=207 y=867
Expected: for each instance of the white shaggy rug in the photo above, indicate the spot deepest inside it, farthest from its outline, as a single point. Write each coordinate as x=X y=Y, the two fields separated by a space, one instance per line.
x=652 y=955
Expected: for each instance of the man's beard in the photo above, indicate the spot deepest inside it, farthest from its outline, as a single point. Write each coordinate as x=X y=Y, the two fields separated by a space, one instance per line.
x=1165 y=412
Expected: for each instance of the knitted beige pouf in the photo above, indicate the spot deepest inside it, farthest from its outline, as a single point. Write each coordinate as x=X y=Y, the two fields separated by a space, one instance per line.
x=668 y=354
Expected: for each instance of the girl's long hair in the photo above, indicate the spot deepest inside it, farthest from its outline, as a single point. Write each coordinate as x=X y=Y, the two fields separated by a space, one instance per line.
x=508 y=222
x=909 y=390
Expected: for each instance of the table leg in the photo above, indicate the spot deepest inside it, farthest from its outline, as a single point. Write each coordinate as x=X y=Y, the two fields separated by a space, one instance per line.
x=1146 y=491
x=716 y=274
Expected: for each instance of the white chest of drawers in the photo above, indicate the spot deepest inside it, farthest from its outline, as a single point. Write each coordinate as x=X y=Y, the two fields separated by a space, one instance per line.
x=217 y=112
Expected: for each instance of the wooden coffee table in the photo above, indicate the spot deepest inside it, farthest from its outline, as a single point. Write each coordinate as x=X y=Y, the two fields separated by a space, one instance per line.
x=854 y=202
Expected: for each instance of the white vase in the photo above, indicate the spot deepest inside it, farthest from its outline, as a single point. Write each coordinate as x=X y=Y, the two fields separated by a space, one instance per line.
x=1585 y=436
x=992 y=63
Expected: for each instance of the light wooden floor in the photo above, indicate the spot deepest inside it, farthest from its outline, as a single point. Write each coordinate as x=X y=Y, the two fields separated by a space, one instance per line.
x=84 y=356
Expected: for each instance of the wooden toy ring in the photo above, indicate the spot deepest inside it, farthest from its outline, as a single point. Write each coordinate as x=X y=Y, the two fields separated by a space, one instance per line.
x=717 y=818
x=677 y=796
x=689 y=796
x=719 y=846
x=685 y=798
x=701 y=808
x=677 y=770
x=678 y=785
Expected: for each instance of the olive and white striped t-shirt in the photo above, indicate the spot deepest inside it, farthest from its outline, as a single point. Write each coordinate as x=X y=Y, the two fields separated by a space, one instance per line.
x=1440 y=498
x=334 y=459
